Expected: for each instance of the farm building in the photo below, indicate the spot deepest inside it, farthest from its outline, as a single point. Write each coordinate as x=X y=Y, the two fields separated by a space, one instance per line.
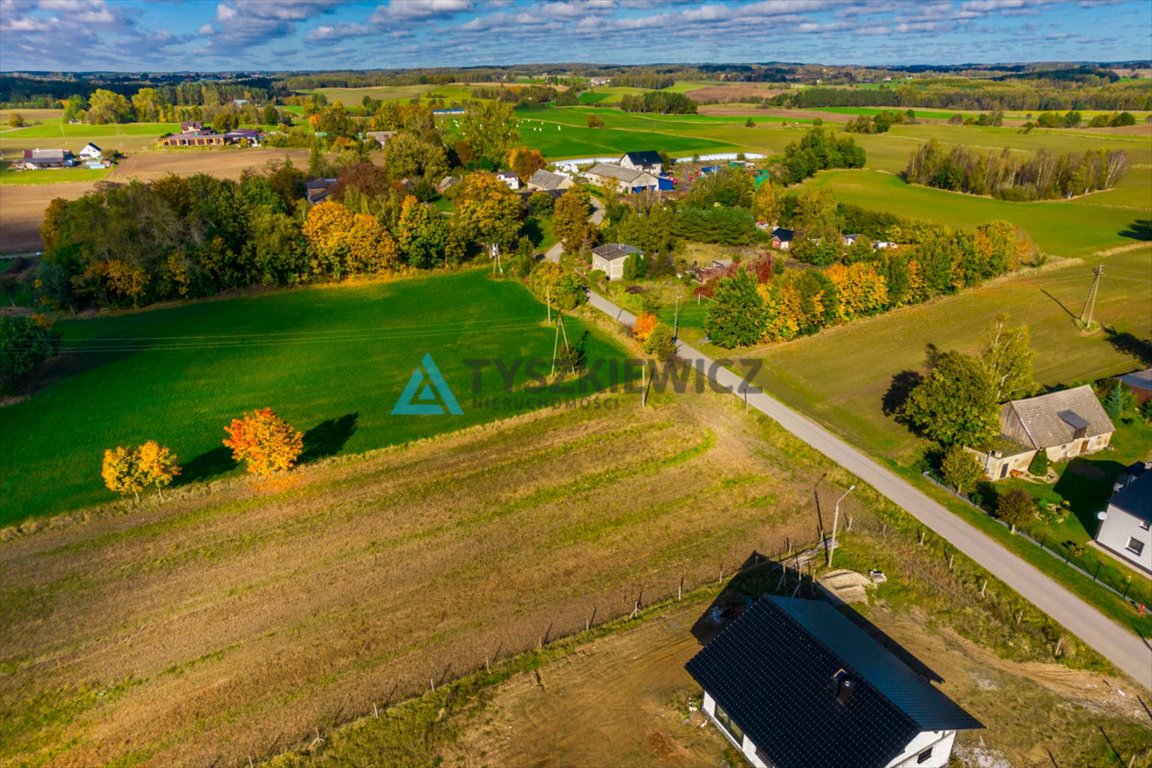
x=253 y=137
x=509 y=178
x=1127 y=525
x=1140 y=382
x=1063 y=424
x=793 y=683
x=194 y=134
x=609 y=258
x=447 y=183
x=381 y=137
x=547 y=181
x=782 y=238
x=649 y=162
x=629 y=180
x=319 y=189
x=91 y=152
x=36 y=159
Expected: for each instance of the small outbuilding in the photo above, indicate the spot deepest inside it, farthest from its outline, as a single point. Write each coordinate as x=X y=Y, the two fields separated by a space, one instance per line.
x=547 y=181
x=782 y=238
x=609 y=258
x=1140 y=382
x=794 y=683
x=1126 y=529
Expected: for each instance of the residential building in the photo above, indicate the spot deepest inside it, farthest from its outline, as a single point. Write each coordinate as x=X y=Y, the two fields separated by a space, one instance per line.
x=1063 y=424
x=1140 y=382
x=782 y=238
x=794 y=683
x=319 y=189
x=447 y=183
x=381 y=137
x=91 y=152
x=609 y=258
x=1125 y=528
x=509 y=178
x=547 y=181
x=649 y=161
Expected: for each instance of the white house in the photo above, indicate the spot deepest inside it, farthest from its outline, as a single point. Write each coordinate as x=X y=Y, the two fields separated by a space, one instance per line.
x=1063 y=424
x=609 y=258
x=794 y=684
x=1125 y=529
x=626 y=179
x=509 y=178
x=649 y=162
x=91 y=152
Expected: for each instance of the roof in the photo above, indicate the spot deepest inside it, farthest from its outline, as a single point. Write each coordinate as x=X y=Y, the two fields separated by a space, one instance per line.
x=47 y=154
x=547 y=179
x=650 y=157
x=1050 y=420
x=1138 y=379
x=613 y=251
x=90 y=144
x=320 y=183
x=620 y=173
x=506 y=175
x=1135 y=498
x=783 y=234
x=779 y=671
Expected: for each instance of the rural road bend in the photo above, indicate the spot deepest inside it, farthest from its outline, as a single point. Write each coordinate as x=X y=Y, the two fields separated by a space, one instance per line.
x=1124 y=649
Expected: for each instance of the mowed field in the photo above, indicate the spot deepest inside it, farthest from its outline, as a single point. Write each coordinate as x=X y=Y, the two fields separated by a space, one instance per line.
x=238 y=618
x=840 y=375
x=22 y=205
x=333 y=361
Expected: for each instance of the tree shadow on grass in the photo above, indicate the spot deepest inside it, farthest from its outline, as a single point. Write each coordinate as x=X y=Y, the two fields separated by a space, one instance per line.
x=1141 y=229
x=1087 y=485
x=328 y=437
x=897 y=395
x=207 y=465
x=1124 y=342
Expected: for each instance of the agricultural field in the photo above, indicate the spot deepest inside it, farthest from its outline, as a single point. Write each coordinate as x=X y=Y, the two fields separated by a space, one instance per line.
x=1076 y=228
x=52 y=176
x=22 y=211
x=326 y=359
x=840 y=375
x=240 y=616
x=54 y=133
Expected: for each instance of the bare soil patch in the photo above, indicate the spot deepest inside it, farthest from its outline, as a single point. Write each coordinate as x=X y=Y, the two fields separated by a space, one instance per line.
x=22 y=211
x=226 y=163
x=240 y=616
x=734 y=93
x=754 y=112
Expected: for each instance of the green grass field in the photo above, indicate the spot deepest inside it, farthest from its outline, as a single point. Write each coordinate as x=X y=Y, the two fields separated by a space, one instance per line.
x=1078 y=228
x=335 y=355
x=52 y=176
x=55 y=133
x=920 y=113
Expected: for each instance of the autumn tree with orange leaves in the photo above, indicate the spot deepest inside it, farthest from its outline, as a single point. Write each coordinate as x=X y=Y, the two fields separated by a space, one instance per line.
x=264 y=441
x=158 y=464
x=122 y=473
x=646 y=322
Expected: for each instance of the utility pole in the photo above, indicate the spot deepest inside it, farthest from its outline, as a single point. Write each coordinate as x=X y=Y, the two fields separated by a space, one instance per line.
x=835 y=520
x=676 y=318
x=644 y=385
x=1090 y=305
x=548 y=301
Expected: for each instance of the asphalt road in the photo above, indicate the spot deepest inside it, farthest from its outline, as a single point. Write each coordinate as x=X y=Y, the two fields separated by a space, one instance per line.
x=1125 y=650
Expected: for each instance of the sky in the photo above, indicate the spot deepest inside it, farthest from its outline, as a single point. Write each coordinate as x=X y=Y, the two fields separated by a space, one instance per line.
x=279 y=35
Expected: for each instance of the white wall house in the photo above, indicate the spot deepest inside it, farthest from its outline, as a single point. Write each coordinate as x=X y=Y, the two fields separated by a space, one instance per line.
x=1127 y=528
x=861 y=705
x=91 y=152
x=610 y=257
x=509 y=178
x=649 y=162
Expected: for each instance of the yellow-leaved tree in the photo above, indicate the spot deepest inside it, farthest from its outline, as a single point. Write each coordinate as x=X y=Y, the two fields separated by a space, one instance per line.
x=158 y=464
x=122 y=473
x=645 y=323
x=264 y=441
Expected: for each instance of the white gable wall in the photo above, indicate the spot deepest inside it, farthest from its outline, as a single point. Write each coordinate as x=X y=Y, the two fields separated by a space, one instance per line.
x=940 y=742
x=1116 y=531
x=746 y=747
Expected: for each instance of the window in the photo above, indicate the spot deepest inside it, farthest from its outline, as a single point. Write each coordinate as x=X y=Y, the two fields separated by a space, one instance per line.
x=924 y=756
x=1144 y=525
x=1135 y=546
x=728 y=725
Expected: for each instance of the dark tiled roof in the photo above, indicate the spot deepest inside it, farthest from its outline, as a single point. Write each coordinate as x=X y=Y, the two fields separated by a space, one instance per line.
x=783 y=234
x=651 y=157
x=1136 y=497
x=613 y=251
x=775 y=670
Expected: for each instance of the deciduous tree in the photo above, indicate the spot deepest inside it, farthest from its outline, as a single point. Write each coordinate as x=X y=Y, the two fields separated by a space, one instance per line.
x=489 y=127
x=264 y=441
x=570 y=220
x=736 y=315
x=1007 y=356
x=961 y=469
x=955 y=404
x=525 y=162
x=122 y=472
x=1016 y=507
x=158 y=465
x=487 y=213
x=645 y=323
x=24 y=345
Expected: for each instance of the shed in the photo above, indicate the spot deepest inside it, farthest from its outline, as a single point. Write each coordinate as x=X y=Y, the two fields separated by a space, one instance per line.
x=609 y=258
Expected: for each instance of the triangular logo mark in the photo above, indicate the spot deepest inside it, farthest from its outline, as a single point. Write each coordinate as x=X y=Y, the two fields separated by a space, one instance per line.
x=429 y=387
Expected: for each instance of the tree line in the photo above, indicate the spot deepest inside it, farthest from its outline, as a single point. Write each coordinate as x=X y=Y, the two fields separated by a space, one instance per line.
x=175 y=238
x=1042 y=176
x=662 y=102
x=976 y=95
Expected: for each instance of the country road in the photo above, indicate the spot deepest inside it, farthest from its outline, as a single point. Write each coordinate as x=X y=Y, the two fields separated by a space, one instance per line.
x=1125 y=650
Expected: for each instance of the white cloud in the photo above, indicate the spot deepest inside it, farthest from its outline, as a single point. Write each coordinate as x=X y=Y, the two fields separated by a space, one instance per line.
x=420 y=9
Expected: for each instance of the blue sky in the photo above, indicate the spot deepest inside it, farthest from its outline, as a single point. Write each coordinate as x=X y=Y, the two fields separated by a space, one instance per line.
x=166 y=35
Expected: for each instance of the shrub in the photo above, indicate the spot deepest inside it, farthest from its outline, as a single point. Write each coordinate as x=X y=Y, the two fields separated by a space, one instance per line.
x=1039 y=464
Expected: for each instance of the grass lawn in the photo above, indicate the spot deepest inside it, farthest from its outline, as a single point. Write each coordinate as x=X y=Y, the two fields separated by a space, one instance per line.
x=920 y=113
x=1079 y=228
x=51 y=176
x=333 y=360
x=55 y=133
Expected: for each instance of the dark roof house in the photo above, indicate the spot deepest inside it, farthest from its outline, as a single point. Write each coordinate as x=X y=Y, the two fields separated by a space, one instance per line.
x=794 y=683
x=643 y=160
x=319 y=189
x=1126 y=526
